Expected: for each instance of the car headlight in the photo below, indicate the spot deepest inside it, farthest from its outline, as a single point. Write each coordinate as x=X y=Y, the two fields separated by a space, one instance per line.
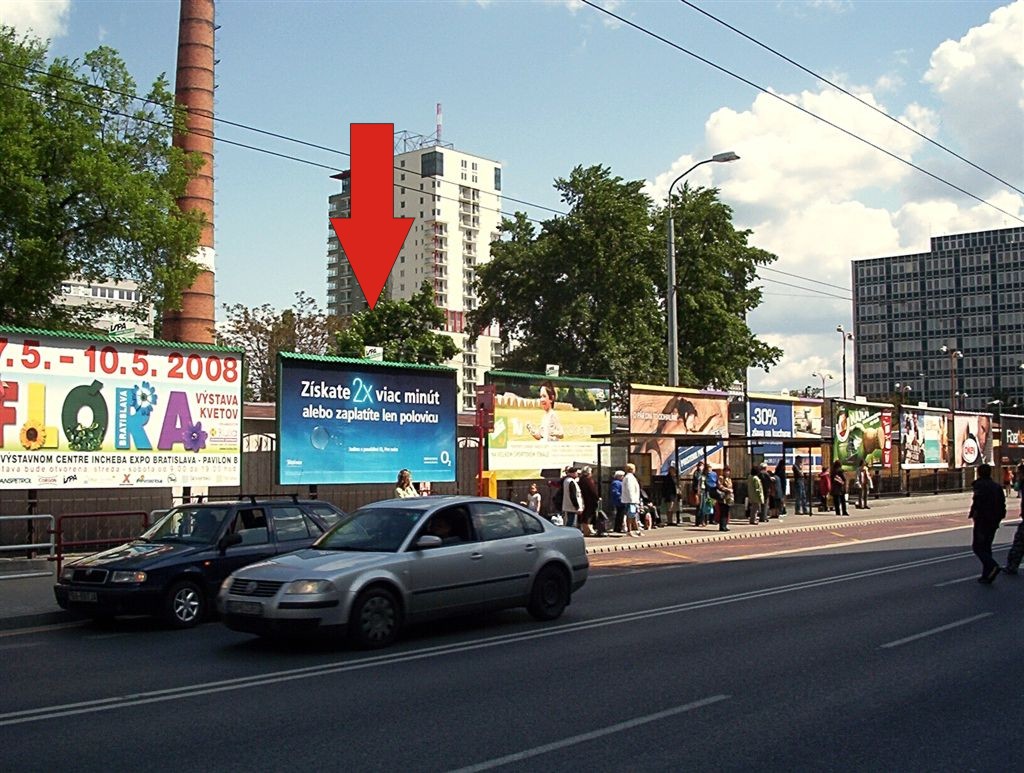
x=67 y=572
x=128 y=577
x=302 y=587
x=226 y=584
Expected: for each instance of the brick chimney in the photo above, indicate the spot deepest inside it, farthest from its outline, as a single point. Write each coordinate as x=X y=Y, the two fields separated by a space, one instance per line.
x=194 y=89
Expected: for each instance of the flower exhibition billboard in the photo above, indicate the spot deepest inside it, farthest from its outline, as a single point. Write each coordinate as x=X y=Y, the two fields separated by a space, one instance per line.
x=342 y=420
x=544 y=422
x=861 y=432
x=102 y=413
x=925 y=437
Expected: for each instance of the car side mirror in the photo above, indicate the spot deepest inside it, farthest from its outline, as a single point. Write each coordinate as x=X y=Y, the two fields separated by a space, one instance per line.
x=228 y=540
x=428 y=541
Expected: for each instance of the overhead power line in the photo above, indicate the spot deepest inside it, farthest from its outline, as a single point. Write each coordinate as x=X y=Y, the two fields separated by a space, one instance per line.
x=315 y=146
x=768 y=92
x=851 y=95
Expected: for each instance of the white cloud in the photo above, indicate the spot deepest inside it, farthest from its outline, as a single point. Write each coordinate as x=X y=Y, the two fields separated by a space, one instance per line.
x=44 y=19
x=980 y=80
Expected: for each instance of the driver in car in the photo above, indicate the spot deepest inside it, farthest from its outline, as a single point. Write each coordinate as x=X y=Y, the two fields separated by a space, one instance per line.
x=441 y=526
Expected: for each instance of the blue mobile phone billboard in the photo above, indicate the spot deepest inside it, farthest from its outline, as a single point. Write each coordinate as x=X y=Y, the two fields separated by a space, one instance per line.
x=349 y=421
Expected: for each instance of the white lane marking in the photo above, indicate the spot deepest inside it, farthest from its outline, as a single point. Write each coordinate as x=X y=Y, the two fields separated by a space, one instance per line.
x=844 y=544
x=934 y=631
x=20 y=645
x=956 y=581
x=592 y=735
x=41 y=629
x=336 y=667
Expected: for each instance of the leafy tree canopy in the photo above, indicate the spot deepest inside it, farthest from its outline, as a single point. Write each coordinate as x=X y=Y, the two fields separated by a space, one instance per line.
x=587 y=292
x=88 y=182
x=405 y=330
x=263 y=332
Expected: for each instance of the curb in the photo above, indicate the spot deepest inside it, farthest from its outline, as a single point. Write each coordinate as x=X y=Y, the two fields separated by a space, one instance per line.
x=722 y=537
x=39 y=619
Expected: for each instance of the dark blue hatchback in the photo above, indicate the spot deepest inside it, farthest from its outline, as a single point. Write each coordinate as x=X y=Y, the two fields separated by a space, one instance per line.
x=175 y=568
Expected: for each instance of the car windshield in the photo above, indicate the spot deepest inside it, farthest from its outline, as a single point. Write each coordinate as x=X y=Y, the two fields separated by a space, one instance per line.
x=371 y=529
x=195 y=524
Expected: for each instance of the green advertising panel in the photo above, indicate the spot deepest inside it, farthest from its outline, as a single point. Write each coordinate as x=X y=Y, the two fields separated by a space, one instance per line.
x=861 y=432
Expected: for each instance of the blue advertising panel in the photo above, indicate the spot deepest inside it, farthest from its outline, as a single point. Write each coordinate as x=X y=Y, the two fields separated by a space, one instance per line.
x=770 y=419
x=351 y=421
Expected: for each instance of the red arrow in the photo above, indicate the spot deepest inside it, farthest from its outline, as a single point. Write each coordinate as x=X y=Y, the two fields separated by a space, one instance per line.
x=371 y=235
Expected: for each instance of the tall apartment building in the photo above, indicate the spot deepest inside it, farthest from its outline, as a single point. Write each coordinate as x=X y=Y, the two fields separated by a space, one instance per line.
x=455 y=199
x=965 y=294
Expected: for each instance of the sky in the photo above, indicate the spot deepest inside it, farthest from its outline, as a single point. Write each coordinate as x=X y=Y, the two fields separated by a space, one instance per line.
x=545 y=86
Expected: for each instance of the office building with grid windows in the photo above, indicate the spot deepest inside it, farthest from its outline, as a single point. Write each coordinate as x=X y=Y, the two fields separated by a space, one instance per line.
x=455 y=200
x=966 y=294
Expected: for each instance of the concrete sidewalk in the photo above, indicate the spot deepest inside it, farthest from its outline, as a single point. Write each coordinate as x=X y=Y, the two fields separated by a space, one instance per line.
x=28 y=601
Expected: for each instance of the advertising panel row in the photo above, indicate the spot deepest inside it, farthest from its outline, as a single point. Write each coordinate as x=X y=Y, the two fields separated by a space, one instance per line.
x=862 y=432
x=353 y=421
x=675 y=414
x=98 y=413
x=545 y=423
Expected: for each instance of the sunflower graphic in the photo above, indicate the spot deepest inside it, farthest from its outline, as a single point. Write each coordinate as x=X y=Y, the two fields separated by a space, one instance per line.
x=33 y=435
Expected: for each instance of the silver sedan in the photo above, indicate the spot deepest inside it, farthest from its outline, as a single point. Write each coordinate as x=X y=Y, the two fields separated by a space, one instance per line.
x=405 y=560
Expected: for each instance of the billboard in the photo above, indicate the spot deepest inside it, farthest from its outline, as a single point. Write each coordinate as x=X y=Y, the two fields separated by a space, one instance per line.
x=925 y=437
x=1013 y=437
x=341 y=420
x=780 y=419
x=545 y=423
x=861 y=432
x=670 y=415
x=972 y=439
x=103 y=413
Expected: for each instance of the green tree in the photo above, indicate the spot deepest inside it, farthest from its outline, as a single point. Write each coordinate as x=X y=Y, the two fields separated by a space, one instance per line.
x=587 y=292
x=584 y=292
x=264 y=331
x=88 y=182
x=405 y=330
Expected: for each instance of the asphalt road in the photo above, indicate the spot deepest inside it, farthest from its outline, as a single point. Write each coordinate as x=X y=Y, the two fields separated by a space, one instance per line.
x=867 y=654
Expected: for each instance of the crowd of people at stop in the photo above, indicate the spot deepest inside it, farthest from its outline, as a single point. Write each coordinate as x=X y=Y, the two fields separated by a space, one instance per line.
x=708 y=493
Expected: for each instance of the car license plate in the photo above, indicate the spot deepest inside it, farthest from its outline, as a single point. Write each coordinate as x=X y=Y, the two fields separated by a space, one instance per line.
x=245 y=607
x=82 y=595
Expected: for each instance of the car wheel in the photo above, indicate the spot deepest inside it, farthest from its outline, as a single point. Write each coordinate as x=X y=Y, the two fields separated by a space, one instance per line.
x=376 y=619
x=550 y=594
x=185 y=605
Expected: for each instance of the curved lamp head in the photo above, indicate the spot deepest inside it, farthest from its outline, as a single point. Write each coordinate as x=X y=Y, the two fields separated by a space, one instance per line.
x=725 y=157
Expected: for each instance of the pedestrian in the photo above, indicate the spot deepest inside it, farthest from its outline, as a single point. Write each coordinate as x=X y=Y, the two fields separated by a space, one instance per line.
x=803 y=505
x=770 y=506
x=864 y=486
x=726 y=499
x=839 y=488
x=824 y=489
x=615 y=498
x=713 y=494
x=631 y=499
x=988 y=508
x=1016 y=553
x=1007 y=479
x=670 y=494
x=572 y=497
x=1020 y=477
x=533 y=501
x=755 y=495
x=404 y=488
x=697 y=493
x=588 y=488
x=781 y=487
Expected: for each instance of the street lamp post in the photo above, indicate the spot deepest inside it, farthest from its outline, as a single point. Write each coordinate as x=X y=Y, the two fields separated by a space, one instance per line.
x=671 y=301
x=961 y=399
x=954 y=355
x=924 y=385
x=903 y=389
x=822 y=376
x=845 y=337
